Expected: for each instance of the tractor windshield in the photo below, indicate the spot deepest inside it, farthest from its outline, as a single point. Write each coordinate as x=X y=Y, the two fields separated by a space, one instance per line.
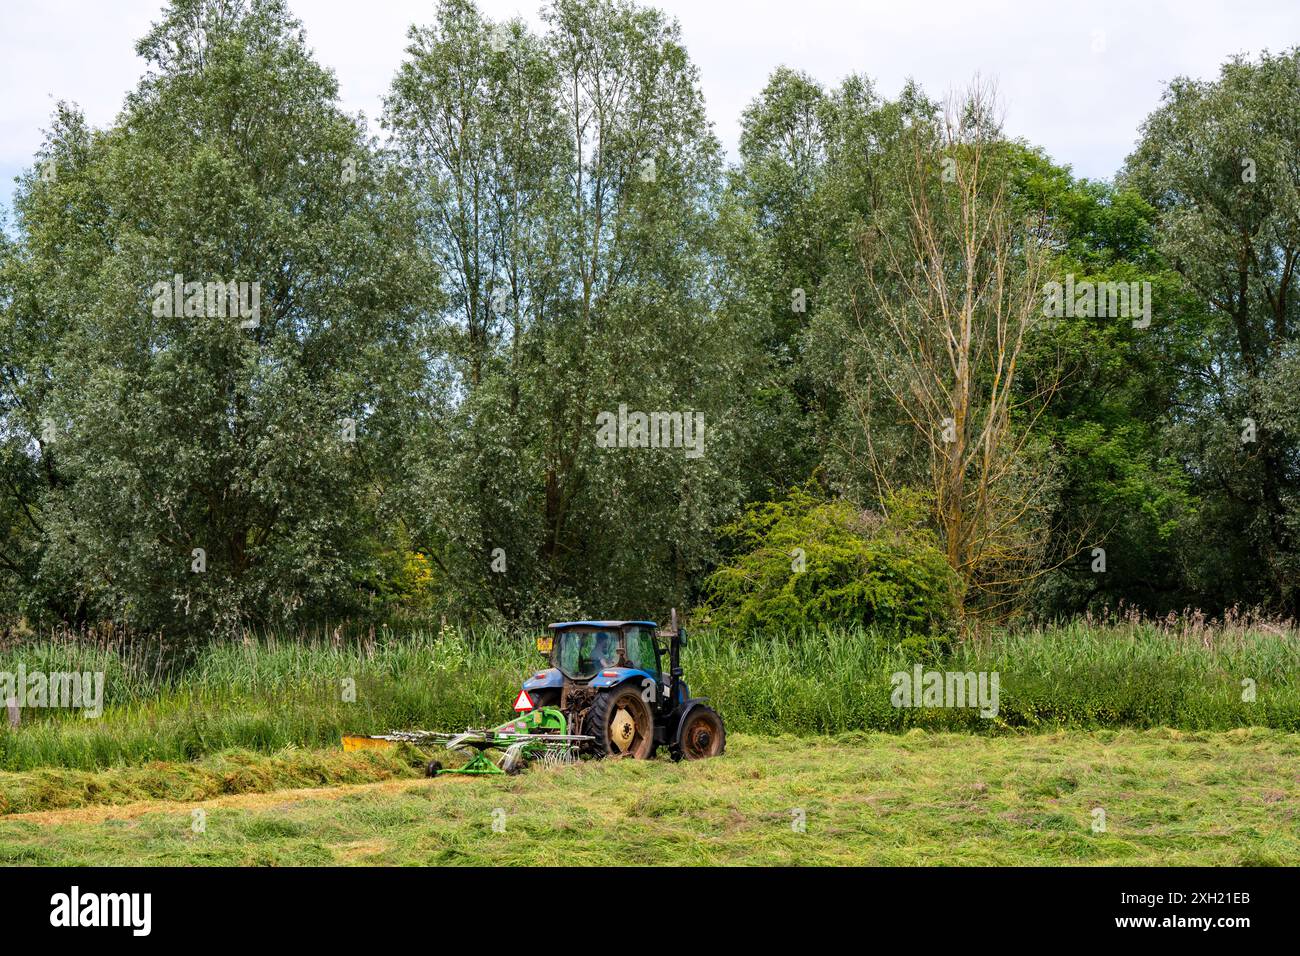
x=580 y=655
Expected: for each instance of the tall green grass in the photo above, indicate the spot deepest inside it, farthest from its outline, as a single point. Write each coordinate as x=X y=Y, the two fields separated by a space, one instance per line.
x=270 y=692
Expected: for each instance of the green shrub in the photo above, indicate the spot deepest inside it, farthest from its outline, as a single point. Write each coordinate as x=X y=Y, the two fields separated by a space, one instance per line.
x=806 y=561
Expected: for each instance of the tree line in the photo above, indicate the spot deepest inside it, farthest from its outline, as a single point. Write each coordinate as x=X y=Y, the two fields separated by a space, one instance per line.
x=449 y=370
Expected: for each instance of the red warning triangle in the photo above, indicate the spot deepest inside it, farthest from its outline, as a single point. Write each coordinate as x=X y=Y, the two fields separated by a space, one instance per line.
x=523 y=701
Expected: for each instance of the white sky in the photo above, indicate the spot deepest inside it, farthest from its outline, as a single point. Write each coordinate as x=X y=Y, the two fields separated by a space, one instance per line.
x=1077 y=78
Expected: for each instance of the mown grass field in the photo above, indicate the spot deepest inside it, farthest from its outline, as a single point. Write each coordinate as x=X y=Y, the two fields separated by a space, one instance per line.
x=917 y=798
x=1146 y=722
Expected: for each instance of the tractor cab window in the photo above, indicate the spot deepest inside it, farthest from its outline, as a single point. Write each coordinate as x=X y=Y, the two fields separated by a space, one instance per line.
x=641 y=649
x=582 y=654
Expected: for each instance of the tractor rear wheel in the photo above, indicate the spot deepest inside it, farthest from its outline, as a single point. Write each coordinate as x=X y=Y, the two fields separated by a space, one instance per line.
x=550 y=697
x=700 y=735
x=622 y=723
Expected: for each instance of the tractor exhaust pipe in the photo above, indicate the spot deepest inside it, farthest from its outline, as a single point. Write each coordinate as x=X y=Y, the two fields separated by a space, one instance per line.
x=675 y=660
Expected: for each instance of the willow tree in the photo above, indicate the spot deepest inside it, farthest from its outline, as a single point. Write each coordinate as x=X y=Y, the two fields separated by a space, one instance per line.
x=216 y=469
x=1218 y=161
x=567 y=186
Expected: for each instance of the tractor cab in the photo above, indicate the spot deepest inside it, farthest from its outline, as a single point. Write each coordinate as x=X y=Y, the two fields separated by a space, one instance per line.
x=583 y=649
x=595 y=655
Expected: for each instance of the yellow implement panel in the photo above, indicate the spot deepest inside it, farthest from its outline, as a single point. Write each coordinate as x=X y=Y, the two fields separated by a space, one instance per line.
x=365 y=743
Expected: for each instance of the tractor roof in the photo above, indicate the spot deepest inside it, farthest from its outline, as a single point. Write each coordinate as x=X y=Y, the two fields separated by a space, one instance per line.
x=561 y=625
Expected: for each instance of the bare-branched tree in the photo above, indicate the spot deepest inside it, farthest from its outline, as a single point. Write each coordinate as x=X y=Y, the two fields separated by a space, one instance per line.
x=955 y=292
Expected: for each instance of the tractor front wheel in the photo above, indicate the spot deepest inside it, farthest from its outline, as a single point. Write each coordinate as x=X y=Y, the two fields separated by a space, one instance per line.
x=622 y=723
x=701 y=734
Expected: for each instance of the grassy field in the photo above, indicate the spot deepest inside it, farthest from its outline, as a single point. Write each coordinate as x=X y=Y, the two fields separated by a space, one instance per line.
x=248 y=733
x=917 y=798
x=267 y=694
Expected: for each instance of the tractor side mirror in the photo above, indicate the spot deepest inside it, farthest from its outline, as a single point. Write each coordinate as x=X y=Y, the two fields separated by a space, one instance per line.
x=681 y=637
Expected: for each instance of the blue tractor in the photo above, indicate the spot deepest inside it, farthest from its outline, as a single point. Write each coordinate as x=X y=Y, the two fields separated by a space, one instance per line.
x=609 y=680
